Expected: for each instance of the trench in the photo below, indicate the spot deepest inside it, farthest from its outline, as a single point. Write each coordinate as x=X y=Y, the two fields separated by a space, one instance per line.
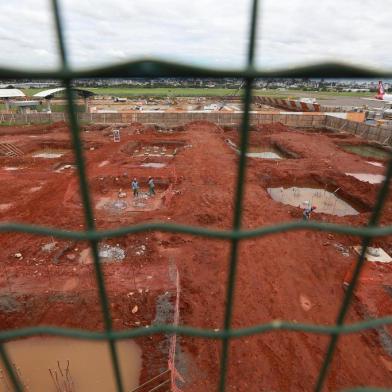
x=325 y=202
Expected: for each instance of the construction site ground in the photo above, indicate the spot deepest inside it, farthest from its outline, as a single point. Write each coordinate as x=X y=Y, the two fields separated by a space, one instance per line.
x=296 y=276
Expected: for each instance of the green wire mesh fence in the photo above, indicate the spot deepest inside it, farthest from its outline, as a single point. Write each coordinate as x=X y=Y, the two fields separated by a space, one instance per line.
x=152 y=68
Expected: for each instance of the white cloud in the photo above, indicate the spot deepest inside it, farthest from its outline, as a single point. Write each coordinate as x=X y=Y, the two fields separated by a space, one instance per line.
x=26 y=31
x=42 y=52
x=204 y=32
x=295 y=32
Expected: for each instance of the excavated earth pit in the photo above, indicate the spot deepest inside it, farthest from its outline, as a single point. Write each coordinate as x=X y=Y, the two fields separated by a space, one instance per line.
x=50 y=149
x=325 y=201
x=72 y=364
x=113 y=196
x=367 y=150
x=56 y=288
x=268 y=151
x=265 y=153
x=159 y=148
x=118 y=198
x=149 y=162
x=116 y=203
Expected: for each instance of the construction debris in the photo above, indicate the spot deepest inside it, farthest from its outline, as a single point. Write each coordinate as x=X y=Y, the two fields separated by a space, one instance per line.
x=374 y=254
x=114 y=253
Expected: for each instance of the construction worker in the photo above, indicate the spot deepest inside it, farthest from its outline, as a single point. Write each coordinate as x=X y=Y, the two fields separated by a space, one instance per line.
x=307 y=212
x=151 y=186
x=135 y=187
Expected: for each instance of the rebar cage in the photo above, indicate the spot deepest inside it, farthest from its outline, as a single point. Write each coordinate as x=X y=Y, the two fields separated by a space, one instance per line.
x=156 y=68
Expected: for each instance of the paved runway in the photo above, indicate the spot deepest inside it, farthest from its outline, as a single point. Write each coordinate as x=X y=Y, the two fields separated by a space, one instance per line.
x=352 y=101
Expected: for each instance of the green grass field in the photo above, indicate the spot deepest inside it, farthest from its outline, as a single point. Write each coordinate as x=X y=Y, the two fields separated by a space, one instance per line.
x=63 y=108
x=31 y=91
x=207 y=92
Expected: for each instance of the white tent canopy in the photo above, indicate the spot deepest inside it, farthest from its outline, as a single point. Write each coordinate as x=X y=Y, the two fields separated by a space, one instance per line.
x=49 y=93
x=11 y=93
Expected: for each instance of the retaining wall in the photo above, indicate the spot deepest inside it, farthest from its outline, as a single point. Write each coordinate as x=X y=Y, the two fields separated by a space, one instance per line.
x=171 y=119
x=370 y=132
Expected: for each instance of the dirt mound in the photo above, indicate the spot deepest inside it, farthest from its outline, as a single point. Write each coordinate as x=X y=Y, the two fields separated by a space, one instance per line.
x=33 y=129
x=270 y=129
x=56 y=125
x=93 y=127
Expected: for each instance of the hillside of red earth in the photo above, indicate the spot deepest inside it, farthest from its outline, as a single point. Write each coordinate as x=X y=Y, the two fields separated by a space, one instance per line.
x=296 y=276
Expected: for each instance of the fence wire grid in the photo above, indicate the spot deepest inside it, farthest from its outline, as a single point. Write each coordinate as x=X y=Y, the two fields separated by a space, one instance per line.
x=153 y=68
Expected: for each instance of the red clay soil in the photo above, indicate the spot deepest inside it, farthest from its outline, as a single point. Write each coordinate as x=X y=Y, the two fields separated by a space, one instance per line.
x=296 y=276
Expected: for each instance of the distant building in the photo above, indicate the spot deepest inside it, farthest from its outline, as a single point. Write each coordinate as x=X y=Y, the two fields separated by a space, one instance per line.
x=356 y=90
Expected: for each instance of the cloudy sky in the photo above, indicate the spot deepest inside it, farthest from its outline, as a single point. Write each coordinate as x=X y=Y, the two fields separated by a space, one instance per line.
x=202 y=32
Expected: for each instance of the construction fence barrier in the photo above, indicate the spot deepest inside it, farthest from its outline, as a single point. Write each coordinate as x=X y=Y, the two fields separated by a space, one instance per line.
x=332 y=121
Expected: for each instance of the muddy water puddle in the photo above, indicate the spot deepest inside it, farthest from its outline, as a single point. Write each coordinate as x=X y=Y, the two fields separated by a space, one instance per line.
x=326 y=202
x=57 y=364
x=366 y=177
x=366 y=151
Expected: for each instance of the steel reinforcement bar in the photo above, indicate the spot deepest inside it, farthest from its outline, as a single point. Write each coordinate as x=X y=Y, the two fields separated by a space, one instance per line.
x=153 y=68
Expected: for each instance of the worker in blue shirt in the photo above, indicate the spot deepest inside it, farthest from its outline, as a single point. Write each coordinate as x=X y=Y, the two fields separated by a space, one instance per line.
x=307 y=212
x=135 y=187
